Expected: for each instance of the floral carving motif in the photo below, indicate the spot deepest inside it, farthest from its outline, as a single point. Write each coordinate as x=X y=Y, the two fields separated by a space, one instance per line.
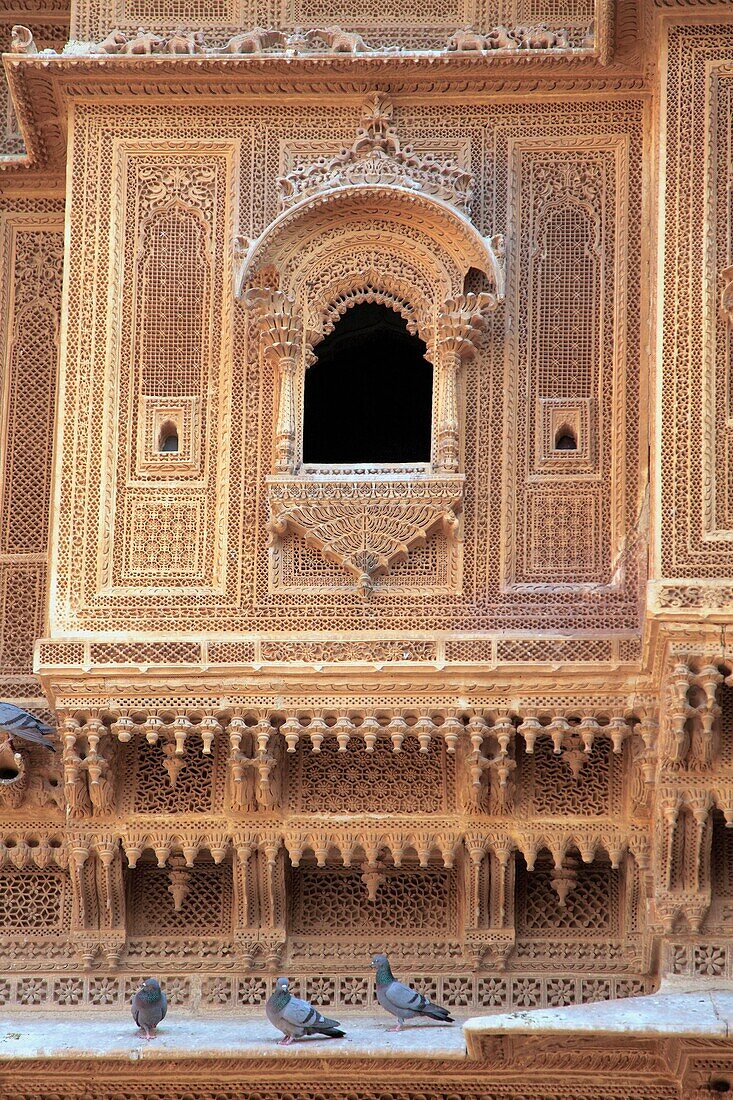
x=376 y=157
x=361 y=527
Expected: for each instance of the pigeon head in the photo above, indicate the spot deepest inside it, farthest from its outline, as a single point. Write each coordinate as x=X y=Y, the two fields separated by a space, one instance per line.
x=384 y=975
x=283 y=984
x=150 y=989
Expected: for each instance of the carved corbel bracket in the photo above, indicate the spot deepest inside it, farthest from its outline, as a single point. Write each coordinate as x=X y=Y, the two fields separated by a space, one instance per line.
x=364 y=527
x=489 y=948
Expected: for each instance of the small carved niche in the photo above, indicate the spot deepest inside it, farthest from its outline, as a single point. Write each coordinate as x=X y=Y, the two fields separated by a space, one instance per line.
x=168 y=437
x=177 y=900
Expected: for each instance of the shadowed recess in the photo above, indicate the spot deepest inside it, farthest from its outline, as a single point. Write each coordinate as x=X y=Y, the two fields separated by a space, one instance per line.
x=348 y=416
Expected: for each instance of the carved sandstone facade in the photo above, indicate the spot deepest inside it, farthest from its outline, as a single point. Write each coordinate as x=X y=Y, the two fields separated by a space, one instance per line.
x=474 y=705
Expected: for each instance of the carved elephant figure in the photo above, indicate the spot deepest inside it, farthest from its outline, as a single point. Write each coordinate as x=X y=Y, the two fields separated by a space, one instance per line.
x=113 y=43
x=467 y=40
x=501 y=38
x=21 y=40
x=143 y=43
x=185 y=42
x=340 y=41
x=255 y=41
x=539 y=38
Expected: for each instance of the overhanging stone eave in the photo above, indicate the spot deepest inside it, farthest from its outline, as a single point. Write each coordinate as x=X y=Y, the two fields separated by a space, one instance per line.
x=704 y=1009
x=41 y=86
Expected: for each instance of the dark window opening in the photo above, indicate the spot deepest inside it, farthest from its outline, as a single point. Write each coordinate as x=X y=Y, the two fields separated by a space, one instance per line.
x=369 y=395
x=565 y=439
x=168 y=437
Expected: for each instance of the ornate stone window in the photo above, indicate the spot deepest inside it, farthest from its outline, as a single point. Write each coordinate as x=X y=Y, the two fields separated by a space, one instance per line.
x=376 y=225
x=369 y=353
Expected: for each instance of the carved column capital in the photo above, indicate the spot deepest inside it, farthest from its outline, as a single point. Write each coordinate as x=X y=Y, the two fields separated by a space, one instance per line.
x=461 y=320
x=280 y=328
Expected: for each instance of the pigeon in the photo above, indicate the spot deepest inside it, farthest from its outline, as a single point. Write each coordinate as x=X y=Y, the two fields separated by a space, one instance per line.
x=400 y=1000
x=149 y=1006
x=19 y=723
x=296 y=1018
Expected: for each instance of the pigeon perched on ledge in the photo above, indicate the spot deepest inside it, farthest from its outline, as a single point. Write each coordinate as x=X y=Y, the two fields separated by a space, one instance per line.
x=400 y=1000
x=296 y=1018
x=19 y=723
x=149 y=1006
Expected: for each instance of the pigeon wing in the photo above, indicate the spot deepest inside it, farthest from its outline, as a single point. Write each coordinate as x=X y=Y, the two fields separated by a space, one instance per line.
x=165 y=1005
x=13 y=718
x=403 y=998
x=31 y=735
x=301 y=1014
x=297 y=1012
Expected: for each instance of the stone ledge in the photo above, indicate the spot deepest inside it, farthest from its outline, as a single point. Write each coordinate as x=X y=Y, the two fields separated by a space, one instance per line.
x=99 y=1034
x=698 y=1013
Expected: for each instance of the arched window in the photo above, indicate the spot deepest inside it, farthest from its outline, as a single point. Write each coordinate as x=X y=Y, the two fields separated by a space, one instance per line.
x=168 y=438
x=369 y=395
x=565 y=439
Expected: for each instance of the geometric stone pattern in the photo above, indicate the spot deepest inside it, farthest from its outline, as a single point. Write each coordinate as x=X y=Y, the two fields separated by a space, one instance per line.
x=31 y=256
x=602 y=144
x=305 y=714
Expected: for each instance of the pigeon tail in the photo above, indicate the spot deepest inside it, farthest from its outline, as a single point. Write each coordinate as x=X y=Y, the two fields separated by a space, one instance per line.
x=437 y=1012
x=331 y=1032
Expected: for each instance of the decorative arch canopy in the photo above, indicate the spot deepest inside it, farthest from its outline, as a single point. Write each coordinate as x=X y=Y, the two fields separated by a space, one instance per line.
x=450 y=232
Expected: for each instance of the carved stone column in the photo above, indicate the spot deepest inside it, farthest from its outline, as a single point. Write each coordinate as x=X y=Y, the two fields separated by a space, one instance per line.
x=459 y=324
x=280 y=328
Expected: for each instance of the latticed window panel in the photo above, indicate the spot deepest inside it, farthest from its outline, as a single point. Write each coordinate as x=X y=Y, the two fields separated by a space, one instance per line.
x=332 y=900
x=173 y=282
x=549 y=787
x=207 y=908
x=591 y=909
x=34 y=901
x=194 y=790
x=359 y=782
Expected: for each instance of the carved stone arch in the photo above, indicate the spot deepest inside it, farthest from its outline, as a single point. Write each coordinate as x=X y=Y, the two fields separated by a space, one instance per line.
x=377 y=287
x=395 y=213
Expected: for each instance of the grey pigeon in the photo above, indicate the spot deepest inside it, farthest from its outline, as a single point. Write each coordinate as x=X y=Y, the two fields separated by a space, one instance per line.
x=19 y=723
x=400 y=1000
x=296 y=1018
x=149 y=1006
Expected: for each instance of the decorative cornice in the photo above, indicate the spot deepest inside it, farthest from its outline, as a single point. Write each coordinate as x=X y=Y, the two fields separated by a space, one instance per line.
x=40 y=83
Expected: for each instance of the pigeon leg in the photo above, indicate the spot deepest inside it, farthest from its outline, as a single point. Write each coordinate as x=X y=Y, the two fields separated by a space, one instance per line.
x=285 y=1041
x=398 y=1026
